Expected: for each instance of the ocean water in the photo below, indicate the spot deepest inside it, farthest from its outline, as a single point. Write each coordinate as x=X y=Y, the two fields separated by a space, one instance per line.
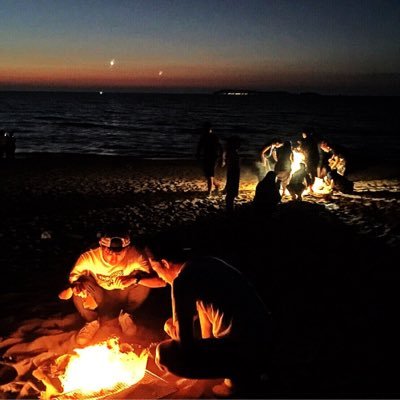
x=167 y=125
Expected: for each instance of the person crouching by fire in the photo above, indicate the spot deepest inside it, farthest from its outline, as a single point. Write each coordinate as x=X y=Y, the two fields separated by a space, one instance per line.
x=232 y=336
x=104 y=283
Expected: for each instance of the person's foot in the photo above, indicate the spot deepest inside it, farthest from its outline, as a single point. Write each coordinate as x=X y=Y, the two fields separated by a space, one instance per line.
x=86 y=334
x=128 y=327
x=224 y=390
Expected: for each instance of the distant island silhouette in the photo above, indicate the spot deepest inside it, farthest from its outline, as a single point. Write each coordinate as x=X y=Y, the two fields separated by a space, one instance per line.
x=244 y=92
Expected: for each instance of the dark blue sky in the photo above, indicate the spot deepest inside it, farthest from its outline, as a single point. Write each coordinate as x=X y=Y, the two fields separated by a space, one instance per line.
x=350 y=47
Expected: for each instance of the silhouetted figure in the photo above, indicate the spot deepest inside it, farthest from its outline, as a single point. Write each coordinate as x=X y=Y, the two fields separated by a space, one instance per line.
x=232 y=161
x=339 y=183
x=283 y=164
x=10 y=145
x=267 y=194
x=209 y=150
x=3 y=140
x=231 y=316
x=325 y=153
x=309 y=147
x=298 y=183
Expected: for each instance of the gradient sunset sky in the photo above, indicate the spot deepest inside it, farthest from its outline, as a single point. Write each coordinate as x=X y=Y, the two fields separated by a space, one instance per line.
x=326 y=46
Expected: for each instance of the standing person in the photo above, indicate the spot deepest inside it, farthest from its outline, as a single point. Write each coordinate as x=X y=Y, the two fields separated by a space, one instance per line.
x=309 y=147
x=325 y=154
x=234 y=338
x=283 y=164
x=9 y=146
x=3 y=140
x=232 y=161
x=209 y=150
x=104 y=283
x=268 y=154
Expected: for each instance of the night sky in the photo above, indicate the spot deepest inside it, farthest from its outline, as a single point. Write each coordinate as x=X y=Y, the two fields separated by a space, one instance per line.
x=330 y=47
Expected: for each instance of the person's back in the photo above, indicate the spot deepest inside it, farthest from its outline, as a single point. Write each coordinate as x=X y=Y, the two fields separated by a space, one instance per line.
x=298 y=182
x=209 y=150
x=221 y=291
x=267 y=193
x=209 y=146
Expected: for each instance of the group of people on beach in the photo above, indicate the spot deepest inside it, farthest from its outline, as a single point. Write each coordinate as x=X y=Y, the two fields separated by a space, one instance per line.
x=219 y=328
x=216 y=313
x=318 y=159
x=219 y=325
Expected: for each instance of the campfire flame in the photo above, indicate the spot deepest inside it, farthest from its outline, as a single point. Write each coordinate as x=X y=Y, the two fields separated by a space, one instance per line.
x=298 y=158
x=101 y=367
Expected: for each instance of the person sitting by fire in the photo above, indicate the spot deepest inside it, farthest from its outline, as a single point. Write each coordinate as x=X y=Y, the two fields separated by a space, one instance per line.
x=267 y=194
x=299 y=182
x=104 y=283
x=232 y=337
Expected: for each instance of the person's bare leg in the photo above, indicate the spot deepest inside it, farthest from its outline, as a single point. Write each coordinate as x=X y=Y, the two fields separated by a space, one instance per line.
x=210 y=182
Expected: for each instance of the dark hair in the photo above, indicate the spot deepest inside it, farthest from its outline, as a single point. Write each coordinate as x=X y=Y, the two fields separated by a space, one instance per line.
x=168 y=248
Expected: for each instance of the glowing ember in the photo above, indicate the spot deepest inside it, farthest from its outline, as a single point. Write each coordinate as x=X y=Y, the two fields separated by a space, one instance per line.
x=101 y=367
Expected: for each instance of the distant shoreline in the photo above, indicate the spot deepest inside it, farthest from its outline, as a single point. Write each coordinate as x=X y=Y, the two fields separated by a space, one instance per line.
x=191 y=93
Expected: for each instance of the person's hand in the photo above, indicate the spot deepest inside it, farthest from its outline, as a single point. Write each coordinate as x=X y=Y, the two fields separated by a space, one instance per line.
x=84 y=286
x=66 y=294
x=171 y=329
x=125 y=281
x=78 y=289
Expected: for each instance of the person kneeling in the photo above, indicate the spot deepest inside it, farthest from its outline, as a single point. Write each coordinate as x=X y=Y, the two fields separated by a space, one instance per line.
x=234 y=338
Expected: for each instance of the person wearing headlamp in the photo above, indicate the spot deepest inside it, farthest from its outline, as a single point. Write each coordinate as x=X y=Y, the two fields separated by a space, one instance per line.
x=104 y=283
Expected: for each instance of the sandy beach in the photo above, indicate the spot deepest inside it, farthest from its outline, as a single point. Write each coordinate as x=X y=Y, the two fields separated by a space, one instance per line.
x=324 y=266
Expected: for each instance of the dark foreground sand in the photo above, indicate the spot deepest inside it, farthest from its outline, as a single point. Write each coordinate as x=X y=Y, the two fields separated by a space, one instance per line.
x=326 y=267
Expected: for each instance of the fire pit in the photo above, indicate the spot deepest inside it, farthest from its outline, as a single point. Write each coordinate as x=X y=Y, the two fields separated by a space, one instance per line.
x=93 y=372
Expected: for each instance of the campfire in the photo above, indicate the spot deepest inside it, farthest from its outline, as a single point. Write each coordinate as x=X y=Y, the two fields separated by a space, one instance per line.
x=93 y=372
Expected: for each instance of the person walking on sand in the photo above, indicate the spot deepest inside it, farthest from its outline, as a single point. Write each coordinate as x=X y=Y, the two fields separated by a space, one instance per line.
x=209 y=150
x=233 y=339
x=104 y=283
x=232 y=161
